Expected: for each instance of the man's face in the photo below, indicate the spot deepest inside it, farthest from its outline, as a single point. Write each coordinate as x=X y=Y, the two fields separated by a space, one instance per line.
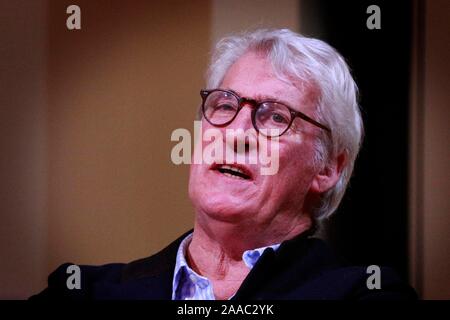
x=262 y=201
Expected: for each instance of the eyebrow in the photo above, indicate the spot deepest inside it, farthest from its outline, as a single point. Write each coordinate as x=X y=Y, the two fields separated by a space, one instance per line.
x=261 y=97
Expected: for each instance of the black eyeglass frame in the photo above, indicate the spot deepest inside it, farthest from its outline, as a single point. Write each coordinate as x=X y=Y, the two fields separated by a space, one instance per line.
x=256 y=105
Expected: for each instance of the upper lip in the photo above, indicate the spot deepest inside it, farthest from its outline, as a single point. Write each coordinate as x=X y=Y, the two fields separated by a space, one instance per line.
x=234 y=166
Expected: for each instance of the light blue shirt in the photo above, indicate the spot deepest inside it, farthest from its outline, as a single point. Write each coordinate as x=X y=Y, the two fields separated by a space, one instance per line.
x=189 y=285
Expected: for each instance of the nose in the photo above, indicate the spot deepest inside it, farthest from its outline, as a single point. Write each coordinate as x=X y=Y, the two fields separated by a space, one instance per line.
x=240 y=134
x=243 y=119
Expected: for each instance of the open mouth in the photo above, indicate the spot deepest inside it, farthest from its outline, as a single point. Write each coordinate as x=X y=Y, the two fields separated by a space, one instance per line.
x=233 y=171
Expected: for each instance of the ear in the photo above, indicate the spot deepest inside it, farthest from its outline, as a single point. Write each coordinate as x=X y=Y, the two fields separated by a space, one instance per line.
x=329 y=175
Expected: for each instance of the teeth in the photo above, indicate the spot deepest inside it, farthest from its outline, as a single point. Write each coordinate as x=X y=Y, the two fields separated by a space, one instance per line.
x=232 y=169
x=232 y=176
x=229 y=170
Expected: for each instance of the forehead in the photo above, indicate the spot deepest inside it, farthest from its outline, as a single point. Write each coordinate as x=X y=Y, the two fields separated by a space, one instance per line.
x=253 y=76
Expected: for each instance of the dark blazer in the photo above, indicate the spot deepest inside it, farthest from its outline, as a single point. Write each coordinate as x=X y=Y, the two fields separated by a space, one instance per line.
x=302 y=268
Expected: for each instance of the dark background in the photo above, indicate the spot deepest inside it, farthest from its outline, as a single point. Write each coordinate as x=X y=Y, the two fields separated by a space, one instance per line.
x=371 y=224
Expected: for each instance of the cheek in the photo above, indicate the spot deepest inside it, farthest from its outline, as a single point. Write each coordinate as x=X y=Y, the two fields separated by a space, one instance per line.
x=195 y=185
x=192 y=178
x=297 y=153
x=209 y=144
x=297 y=165
x=196 y=172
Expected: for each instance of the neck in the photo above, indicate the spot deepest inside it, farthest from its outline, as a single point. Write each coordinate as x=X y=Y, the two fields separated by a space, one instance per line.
x=216 y=250
x=213 y=259
x=217 y=247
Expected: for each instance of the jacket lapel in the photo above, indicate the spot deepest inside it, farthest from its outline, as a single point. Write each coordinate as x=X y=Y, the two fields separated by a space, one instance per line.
x=148 y=278
x=276 y=272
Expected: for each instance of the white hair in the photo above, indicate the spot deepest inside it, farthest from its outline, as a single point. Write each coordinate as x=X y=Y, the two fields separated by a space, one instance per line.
x=314 y=62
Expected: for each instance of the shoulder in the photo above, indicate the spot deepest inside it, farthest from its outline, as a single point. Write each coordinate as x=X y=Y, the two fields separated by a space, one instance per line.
x=325 y=275
x=115 y=280
x=71 y=281
x=359 y=283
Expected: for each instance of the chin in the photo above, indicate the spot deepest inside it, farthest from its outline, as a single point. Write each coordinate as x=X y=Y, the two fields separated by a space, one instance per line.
x=223 y=210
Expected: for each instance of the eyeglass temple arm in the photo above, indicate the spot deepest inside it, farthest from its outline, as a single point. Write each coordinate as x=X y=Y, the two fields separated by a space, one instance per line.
x=310 y=120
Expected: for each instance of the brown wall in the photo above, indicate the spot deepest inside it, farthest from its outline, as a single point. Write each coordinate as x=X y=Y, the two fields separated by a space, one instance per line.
x=249 y=15
x=23 y=147
x=436 y=153
x=117 y=89
x=86 y=118
x=429 y=169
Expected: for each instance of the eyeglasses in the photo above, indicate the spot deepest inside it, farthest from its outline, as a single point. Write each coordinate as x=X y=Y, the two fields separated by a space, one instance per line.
x=271 y=118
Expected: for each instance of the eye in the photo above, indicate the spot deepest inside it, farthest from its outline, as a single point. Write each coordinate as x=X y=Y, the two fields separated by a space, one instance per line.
x=225 y=107
x=278 y=118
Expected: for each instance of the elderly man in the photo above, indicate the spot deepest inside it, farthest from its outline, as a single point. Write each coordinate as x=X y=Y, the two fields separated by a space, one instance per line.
x=251 y=238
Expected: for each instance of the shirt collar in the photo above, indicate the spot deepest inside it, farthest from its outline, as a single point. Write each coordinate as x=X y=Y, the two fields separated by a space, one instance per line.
x=250 y=257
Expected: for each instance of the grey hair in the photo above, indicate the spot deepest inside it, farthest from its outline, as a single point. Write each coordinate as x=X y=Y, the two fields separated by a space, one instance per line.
x=314 y=62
